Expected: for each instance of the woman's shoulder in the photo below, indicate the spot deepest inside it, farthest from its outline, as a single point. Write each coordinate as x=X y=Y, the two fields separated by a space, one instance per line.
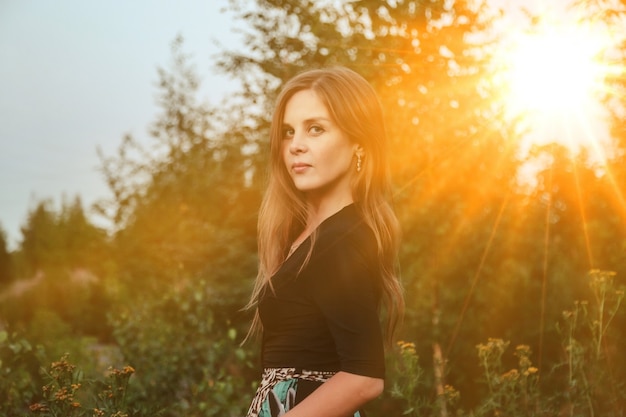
x=345 y=254
x=346 y=221
x=346 y=229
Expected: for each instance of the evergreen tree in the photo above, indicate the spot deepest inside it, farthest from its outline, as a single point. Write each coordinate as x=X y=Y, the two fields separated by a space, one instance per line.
x=40 y=238
x=6 y=261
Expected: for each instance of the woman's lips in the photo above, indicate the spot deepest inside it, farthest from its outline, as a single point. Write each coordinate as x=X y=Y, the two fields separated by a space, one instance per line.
x=299 y=167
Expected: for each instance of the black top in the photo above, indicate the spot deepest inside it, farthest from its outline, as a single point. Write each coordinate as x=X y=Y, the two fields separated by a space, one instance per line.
x=325 y=318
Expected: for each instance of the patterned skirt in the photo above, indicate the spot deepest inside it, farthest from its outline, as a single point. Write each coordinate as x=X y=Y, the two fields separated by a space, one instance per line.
x=282 y=388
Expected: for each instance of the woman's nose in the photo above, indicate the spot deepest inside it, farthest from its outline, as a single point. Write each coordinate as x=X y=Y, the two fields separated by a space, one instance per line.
x=297 y=144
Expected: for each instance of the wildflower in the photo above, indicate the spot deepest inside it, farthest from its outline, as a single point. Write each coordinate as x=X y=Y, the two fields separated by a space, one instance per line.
x=512 y=375
x=38 y=408
x=451 y=394
x=493 y=348
x=62 y=394
x=63 y=365
x=407 y=347
x=523 y=353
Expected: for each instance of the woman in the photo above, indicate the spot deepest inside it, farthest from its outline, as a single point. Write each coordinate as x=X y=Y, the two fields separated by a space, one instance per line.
x=328 y=241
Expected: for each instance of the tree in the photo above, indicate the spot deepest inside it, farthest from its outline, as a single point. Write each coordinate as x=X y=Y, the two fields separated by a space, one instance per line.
x=6 y=261
x=186 y=209
x=40 y=238
x=58 y=240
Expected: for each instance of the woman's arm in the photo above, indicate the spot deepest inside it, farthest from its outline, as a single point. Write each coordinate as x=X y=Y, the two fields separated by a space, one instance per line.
x=340 y=396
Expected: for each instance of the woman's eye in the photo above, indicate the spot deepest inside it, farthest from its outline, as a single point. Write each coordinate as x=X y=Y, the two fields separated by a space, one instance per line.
x=316 y=130
x=288 y=133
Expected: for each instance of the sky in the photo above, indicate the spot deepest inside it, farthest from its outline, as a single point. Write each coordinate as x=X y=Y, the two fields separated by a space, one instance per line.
x=78 y=75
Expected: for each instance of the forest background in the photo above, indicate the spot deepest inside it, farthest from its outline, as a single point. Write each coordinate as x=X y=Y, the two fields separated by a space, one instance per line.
x=513 y=281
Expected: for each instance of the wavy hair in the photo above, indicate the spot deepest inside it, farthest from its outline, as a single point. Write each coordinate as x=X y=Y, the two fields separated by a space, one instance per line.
x=354 y=107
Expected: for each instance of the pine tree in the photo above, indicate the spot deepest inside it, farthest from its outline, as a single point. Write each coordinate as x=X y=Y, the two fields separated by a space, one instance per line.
x=6 y=261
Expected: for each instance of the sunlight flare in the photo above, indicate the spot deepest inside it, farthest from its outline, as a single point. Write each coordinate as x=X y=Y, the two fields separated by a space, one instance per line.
x=555 y=71
x=552 y=79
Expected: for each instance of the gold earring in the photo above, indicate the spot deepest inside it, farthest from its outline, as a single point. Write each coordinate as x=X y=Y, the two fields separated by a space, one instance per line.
x=358 y=163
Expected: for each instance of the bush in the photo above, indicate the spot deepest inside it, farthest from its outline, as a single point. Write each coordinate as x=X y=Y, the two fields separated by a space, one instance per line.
x=186 y=354
x=20 y=381
x=189 y=363
x=67 y=394
x=584 y=383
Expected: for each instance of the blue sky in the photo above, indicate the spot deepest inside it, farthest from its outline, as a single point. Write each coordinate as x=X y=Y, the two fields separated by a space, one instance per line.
x=77 y=75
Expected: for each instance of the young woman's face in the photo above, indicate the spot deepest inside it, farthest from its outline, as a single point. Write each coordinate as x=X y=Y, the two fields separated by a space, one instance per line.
x=316 y=153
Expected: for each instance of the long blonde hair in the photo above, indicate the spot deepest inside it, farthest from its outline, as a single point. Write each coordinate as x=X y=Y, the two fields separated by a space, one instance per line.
x=355 y=108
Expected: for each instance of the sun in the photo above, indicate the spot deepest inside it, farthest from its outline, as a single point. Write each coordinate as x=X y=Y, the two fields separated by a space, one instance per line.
x=552 y=79
x=554 y=72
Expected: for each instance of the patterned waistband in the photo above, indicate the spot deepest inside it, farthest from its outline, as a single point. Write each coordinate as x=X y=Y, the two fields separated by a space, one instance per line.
x=271 y=376
x=281 y=374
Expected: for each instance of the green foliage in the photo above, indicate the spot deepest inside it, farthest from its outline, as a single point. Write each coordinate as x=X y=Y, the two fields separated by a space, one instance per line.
x=57 y=338
x=62 y=264
x=585 y=383
x=594 y=386
x=24 y=380
x=191 y=211
x=223 y=369
x=75 y=298
x=408 y=379
x=511 y=393
x=59 y=394
x=184 y=346
x=61 y=239
x=67 y=393
x=19 y=373
x=112 y=399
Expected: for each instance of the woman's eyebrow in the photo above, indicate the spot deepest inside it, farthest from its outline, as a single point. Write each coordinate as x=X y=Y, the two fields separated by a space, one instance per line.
x=311 y=120
x=317 y=119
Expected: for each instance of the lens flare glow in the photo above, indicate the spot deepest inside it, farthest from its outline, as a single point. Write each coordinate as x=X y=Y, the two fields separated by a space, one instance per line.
x=555 y=72
x=552 y=78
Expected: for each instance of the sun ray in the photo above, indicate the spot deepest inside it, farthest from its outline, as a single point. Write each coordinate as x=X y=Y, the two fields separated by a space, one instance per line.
x=617 y=189
x=477 y=274
x=544 y=278
x=583 y=215
x=601 y=157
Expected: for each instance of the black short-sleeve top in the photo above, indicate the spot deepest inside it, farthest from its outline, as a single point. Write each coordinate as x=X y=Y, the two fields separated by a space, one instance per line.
x=324 y=317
